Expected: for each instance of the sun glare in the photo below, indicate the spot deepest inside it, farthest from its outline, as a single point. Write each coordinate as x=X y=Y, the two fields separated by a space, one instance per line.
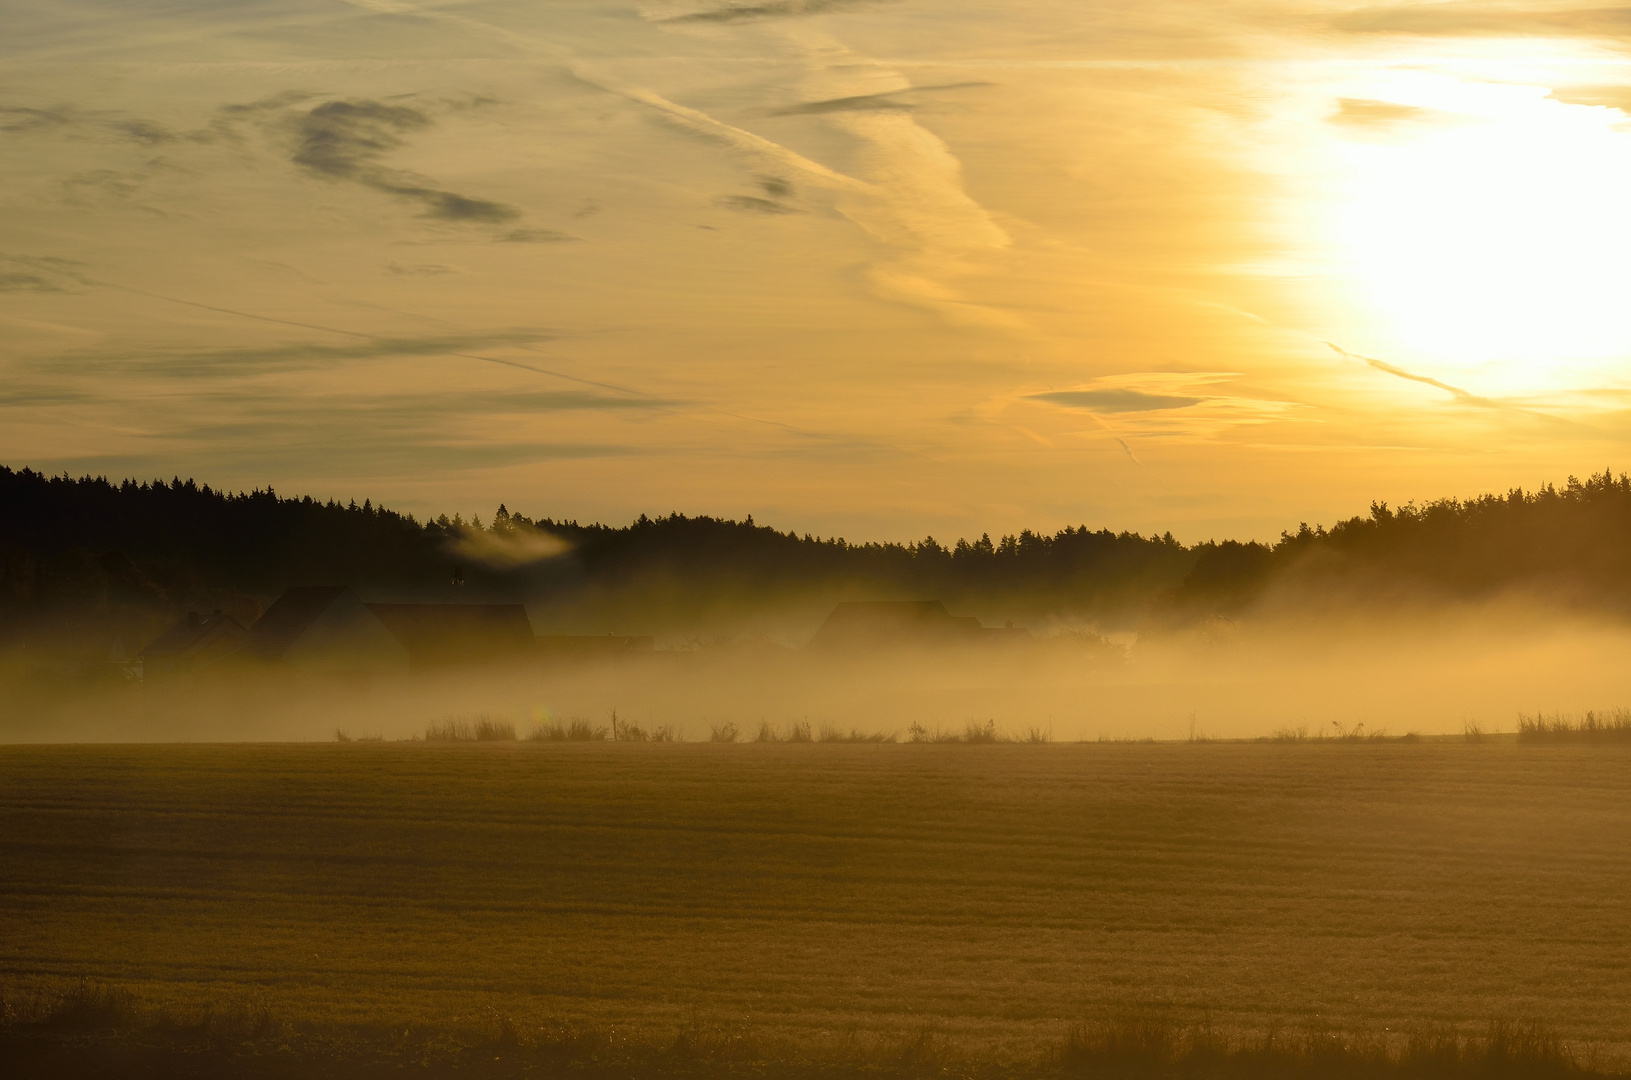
x=1490 y=230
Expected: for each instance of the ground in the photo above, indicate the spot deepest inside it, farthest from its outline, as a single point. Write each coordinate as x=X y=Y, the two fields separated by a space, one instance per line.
x=992 y=893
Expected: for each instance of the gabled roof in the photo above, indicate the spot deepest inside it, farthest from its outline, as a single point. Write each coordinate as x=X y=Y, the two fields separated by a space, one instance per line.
x=856 y=621
x=192 y=635
x=446 y=633
x=289 y=617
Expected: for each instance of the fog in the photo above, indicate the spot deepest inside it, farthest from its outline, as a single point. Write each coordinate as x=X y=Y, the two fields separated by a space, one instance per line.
x=1423 y=670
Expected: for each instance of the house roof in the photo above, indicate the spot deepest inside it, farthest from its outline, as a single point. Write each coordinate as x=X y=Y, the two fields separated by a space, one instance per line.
x=192 y=635
x=443 y=633
x=856 y=620
x=289 y=617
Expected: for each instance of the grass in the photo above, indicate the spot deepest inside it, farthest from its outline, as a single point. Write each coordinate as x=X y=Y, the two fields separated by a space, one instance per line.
x=1594 y=727
x=1339 y=732
x=481 y=729
x=624 y=731
x=815 y=903
x=66 y=1033
x=576 y=729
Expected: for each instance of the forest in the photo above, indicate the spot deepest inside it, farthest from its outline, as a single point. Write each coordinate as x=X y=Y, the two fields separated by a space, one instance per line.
x=85 y=557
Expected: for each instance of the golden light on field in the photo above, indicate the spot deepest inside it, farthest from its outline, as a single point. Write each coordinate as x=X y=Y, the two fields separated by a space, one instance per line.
x=1489 y=228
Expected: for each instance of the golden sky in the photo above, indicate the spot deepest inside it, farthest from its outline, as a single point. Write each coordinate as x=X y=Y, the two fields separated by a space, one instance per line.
x=879 y=269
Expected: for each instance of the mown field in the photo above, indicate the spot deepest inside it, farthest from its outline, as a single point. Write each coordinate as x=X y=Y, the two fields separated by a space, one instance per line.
x=994 y=894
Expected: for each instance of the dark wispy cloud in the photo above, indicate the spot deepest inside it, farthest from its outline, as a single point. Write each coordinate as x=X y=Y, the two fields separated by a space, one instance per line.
x=24 y=282
x=752 y=204
x=1365 y=112
x=286 y=356
x=265 y=452
x=17 y=119
x=22 y=395
x=344 y=140
x=892 y=100
x=1477 y=19
x=1115 y=400
x=535 y=236
x=771 y=9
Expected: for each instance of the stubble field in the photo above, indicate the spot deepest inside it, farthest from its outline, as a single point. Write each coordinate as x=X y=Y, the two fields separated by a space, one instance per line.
x=993 y=894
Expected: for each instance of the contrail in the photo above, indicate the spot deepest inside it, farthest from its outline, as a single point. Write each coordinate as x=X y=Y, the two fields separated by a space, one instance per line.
x=355 y=334
x=1382 y=365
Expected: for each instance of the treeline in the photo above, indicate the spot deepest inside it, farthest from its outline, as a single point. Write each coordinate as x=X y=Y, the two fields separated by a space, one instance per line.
x=145 y=550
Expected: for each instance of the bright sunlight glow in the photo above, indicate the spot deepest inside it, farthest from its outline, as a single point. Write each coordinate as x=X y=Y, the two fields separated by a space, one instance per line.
x=1490 y=230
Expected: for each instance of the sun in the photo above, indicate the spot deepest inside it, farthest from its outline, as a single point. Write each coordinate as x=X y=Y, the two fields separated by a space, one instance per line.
x=1487 y=229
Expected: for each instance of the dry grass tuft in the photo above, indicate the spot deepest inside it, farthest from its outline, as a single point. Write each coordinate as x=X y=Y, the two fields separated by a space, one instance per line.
x=1593 y=727
x=623 y=731
x=577 y=729
x=483 y=728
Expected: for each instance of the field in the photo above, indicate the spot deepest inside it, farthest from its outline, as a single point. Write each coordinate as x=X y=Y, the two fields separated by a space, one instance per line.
x=815 y=893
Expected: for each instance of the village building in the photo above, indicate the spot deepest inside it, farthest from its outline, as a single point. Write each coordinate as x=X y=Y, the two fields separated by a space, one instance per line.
x=451 y=635
x=922 y=623
x=194 y=642
x=326 y=631
x=577 y=648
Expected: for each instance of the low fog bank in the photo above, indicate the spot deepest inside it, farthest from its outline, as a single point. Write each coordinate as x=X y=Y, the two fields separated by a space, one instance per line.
x=1417 y=619
x=1427 y=670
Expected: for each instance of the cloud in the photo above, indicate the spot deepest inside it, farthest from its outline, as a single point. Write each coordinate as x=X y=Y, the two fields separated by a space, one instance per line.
x=752 y=204
x=14 y=118
x=773 y=9
x=521 y=545
x=887 y=101
x=1115 y=400
x=1365 y=112
x=1614 y=97
x=1461 y=396
x=286 y=356
x=344 y=140
x=535 y=236
x=17 y=119
x=17 y=282
x=22 y=396
x=1461 y=18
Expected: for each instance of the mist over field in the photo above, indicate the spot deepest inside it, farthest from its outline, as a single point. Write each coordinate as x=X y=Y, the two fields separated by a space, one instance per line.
x=1413 y=621
x=815 y=540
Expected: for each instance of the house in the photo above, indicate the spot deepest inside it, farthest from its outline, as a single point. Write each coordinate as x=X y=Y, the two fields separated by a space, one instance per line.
x=325 y=630
x=901 y=622
x=581 y=647
x=445 y=635
x=192 y=643
x=864 y=623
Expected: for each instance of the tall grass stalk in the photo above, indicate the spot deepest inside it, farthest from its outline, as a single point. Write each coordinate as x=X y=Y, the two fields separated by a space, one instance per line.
x=1594 y=727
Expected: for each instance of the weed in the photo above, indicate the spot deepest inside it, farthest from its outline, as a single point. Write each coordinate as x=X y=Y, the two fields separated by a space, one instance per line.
x=1594 y=727
x=576 y=729
x=623 y=731
x=833 y=734
x=483 y=729
x=725 y=732
x=976 y=732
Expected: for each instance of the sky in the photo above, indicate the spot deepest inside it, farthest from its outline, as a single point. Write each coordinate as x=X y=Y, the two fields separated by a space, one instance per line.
x=874 y=269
